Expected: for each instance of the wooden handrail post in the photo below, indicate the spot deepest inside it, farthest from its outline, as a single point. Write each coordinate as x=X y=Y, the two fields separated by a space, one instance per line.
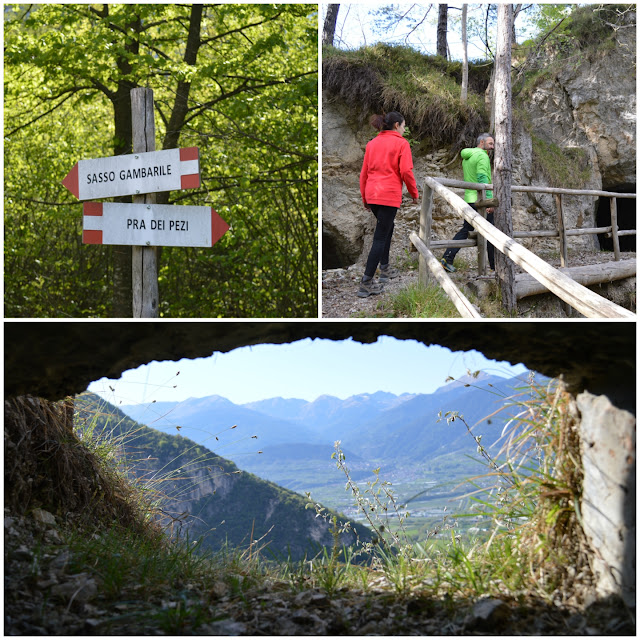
x=144 y=266
x=562 y=231
x=614 y=228
x=562 y=235
x=426 y=221
x=481 y=240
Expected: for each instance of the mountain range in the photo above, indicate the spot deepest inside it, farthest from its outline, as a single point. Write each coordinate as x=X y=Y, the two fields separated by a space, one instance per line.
x=290 y=441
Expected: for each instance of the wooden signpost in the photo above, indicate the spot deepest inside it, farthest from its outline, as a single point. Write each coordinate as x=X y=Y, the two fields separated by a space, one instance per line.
x=144 y=225
x=151 y=225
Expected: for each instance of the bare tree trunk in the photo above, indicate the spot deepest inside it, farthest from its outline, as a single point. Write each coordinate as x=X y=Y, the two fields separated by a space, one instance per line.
x=442 y=30
x=330 y=21
x=505 y=268
x=465 y=59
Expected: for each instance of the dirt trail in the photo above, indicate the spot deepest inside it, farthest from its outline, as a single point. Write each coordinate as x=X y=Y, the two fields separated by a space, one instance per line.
x=340 y=286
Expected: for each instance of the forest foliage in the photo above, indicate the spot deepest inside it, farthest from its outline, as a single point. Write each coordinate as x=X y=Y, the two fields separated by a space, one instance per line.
x=237 y=80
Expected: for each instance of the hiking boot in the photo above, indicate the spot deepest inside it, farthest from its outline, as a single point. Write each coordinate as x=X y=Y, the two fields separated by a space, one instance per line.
x=388 y=273
x=447 y=266
x=368 y=288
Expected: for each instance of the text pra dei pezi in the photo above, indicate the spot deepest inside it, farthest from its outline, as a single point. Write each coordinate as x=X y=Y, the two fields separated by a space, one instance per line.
x=139 y=224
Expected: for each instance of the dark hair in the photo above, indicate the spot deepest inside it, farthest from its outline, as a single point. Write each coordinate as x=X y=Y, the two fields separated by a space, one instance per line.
x=386 y=121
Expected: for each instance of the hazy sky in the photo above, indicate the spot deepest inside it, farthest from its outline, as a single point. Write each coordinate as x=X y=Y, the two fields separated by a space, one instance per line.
x=356 y=27
x=305 y=369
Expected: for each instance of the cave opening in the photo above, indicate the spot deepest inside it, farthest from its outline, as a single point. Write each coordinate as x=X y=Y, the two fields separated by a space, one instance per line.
x=333 y=255
x=626 y=217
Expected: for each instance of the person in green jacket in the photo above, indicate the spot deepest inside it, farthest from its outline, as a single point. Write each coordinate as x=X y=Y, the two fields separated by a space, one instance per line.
x=476 y=167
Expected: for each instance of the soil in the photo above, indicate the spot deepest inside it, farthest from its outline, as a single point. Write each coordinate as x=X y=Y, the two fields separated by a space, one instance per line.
x=42 y=597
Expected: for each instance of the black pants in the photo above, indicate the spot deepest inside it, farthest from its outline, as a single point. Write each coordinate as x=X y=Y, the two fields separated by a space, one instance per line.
x=463 y=234
x=379 y=253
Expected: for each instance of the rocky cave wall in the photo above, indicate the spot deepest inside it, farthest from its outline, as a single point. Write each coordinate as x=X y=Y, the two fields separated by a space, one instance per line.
x=589 y=103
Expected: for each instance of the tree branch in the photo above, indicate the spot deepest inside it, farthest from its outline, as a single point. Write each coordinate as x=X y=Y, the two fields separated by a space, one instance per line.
x=72 y=92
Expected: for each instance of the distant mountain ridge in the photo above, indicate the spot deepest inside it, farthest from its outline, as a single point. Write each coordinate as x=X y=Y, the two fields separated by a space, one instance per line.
x=293 y=434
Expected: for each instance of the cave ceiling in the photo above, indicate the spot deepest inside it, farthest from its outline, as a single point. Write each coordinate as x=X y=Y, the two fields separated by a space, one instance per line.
x=56 y=359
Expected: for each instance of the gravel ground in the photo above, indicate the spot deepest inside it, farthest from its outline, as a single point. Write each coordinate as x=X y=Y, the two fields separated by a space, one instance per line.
x=43 y=597
x=340 y=286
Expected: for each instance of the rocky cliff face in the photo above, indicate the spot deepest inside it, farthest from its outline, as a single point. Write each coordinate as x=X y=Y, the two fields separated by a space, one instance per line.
x=585 y=105
x=590 y=102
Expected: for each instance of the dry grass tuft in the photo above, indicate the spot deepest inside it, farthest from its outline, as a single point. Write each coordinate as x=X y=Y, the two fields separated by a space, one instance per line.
x=47 y=466
x=424 y=89
x=554 y=539
x=542 y=480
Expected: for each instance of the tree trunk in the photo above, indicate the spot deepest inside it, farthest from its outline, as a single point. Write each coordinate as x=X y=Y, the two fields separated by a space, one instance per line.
x=442 y=30
x=330 y=21
x=505 y=268
x=465 y=59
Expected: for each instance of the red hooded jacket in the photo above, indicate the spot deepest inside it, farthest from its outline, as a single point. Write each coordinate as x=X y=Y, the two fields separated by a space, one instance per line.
x=387 y=164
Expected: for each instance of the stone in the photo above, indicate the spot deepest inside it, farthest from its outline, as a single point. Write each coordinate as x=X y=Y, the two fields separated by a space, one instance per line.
x=61 y=560
x=79 y=590
x=44 y=517
x=219 y=589
x=608 y=441
x=23 y=553
x=224 y=628
x=489 y=614
x=52 y=536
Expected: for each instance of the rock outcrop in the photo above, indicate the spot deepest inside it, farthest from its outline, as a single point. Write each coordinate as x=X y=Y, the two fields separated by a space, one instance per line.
x=590 y=102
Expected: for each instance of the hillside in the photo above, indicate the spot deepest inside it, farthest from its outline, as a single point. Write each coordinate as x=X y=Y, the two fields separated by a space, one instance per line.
x=206 y=496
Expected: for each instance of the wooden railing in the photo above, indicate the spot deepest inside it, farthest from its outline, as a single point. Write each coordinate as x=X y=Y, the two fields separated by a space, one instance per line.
x=561 y=232
x=587 y=302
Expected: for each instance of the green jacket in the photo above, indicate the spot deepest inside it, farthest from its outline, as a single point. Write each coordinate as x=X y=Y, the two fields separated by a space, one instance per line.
x=476 y=167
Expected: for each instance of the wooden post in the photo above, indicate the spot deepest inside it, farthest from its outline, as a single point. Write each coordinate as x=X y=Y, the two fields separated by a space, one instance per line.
x=562 y=235
x=614 y=228
x=144 y=268
x=426 y=221
x=562 y=231
x=481 y=240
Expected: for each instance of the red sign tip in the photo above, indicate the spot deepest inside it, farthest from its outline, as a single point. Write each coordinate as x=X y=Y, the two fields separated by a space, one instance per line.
x=218 y=227
x=71 y=181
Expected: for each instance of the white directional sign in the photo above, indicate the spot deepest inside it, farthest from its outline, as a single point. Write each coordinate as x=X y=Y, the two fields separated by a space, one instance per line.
x=151 y=225
x=137 y=173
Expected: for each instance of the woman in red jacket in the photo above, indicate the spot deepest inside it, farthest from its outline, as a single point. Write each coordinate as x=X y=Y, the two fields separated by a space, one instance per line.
x=387 y=164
